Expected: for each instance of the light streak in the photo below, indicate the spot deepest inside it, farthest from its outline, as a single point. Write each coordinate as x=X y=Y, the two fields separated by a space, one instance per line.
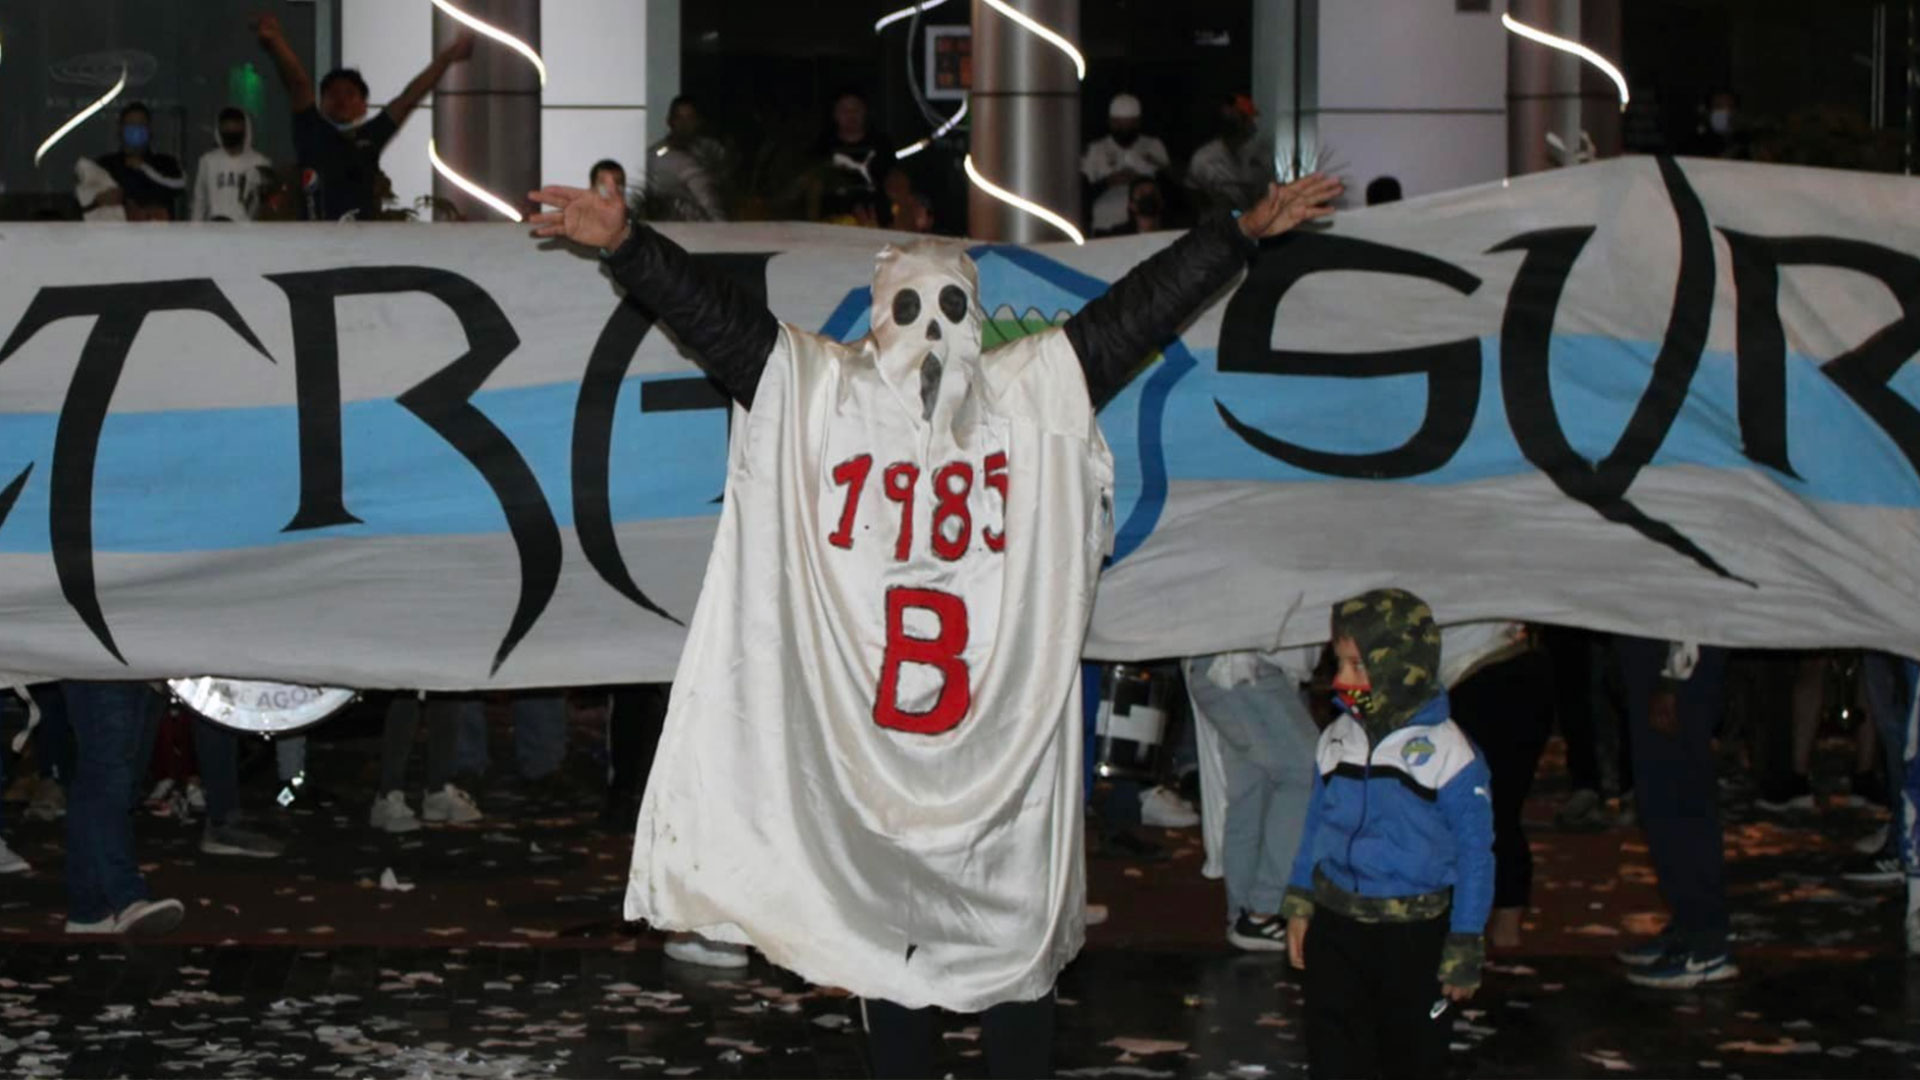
x=1022 y=204
x=905 y=13
x=1044 y=32
x=911 y=149
x=480 y=26
x=498 y=204
x=81 y=117
x=1554 y=41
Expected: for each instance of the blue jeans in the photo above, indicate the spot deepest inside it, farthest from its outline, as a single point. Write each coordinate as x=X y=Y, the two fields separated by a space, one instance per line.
x=1889 y=691
x=1270 y=739
x=53 y=736
x=111 y=722
x=539 y=735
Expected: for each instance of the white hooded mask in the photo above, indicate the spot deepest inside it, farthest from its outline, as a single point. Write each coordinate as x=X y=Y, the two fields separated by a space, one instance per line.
x=927 y=323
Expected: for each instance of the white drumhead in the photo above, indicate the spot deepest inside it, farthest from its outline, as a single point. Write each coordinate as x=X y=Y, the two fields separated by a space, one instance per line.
x=266 y=708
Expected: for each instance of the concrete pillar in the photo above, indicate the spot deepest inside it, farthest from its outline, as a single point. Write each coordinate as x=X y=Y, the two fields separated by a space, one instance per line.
x=1543 y=86
x=486 y=112
x=1025 y=114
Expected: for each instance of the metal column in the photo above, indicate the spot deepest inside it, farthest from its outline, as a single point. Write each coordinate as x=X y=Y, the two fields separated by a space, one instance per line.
x=1543 y=86
x=486 y=112
x=1025 y=110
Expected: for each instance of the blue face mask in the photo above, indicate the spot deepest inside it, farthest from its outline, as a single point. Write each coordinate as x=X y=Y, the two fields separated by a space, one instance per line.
x=134 y=136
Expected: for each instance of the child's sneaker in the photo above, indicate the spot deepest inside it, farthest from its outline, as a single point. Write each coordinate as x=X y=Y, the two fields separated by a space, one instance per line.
x=450 y=805
x=1258 y=935
x=392 y=814
x=1685 y=970
x=11 y=862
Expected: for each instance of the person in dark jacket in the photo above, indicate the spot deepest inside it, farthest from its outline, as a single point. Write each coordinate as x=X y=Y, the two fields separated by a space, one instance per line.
x=734 y=336
x=1394 y=879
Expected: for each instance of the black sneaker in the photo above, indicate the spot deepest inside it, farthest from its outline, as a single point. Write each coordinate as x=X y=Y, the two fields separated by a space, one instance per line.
x=1258 y=935
x=1880 y=869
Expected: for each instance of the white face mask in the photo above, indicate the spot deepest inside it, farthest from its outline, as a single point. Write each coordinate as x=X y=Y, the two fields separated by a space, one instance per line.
x=926 y=320
x=1721 y=121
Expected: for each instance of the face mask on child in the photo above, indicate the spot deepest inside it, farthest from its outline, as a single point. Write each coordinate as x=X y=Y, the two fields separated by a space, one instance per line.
x=1353 y=698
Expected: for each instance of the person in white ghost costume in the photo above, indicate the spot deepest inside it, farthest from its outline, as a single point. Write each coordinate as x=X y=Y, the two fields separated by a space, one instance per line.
x=871 y=763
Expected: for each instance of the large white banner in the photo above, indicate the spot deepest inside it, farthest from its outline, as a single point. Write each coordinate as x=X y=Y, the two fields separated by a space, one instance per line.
x=1671 y=398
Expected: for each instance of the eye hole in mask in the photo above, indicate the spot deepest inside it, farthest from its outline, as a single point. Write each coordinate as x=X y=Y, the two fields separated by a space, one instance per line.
x=953 y=304
x=906 y=307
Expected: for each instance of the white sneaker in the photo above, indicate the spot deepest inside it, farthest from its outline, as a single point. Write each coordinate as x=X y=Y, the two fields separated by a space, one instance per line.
x=196 y=797
x=694 y=949
x=1096 y=914
x=391 y=813
x=1163 y=809
x=450 y=805
x=1874 y=842
x=11 y=862
x=142 y=918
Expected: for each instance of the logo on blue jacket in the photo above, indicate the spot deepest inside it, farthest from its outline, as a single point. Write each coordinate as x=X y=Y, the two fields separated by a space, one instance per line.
x=1417 y=751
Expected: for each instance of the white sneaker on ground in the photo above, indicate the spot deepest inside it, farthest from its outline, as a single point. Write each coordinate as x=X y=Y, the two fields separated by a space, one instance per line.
x=450 y=805
x=1874 y=842
x=1096 y=914
x=11 y=862
x=142 y=918
x=1164 y=809
x=694 y=949
x=391 y=813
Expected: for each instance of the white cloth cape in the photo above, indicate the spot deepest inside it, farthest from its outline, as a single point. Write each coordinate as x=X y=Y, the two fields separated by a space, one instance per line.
x=926 y=869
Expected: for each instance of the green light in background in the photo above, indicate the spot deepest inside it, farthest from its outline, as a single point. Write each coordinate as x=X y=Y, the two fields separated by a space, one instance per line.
x=245 y=88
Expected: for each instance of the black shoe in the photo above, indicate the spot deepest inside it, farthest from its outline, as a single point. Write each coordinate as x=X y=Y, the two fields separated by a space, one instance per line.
x=1258 y=935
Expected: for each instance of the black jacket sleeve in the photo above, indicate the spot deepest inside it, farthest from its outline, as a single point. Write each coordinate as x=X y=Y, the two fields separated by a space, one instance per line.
x=730 y=332
x=1115 y=334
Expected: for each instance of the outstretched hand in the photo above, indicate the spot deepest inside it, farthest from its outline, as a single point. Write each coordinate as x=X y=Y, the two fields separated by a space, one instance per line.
x=582 y=216
x=1306 y=199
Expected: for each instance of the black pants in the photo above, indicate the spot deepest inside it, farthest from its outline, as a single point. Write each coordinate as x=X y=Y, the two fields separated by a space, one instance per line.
x=634 y=721
x=1017 y=1036
x=1678 y=794
x=1371 y=988
x=1507 y=710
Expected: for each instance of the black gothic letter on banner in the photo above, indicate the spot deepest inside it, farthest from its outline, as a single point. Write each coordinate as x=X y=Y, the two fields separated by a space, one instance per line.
x=1862 y=373
x=1452 y=368
x=118 y=311
x=1526 y=338
x=12 y=493
x=593 y=421
x=441 y=401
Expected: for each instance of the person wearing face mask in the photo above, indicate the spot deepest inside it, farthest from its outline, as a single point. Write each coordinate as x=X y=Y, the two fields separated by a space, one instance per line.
x=1722 y=133
x=871 y=765
x=608 y=178
x=1394 y=879
x=1113 y=163
x=228 y=183
x=1232 y=170
x=149 y=183
x=1146 y=210
x=338 y=142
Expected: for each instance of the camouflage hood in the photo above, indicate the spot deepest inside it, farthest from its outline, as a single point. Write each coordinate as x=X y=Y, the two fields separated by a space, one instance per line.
x=1400 y=644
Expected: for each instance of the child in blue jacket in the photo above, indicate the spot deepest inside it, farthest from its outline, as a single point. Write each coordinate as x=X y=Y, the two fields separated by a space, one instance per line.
x=1394 y=878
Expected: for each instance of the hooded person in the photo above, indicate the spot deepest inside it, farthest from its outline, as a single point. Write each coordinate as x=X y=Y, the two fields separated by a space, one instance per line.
x=1393 y=881
x=229 y=181
x=870 y=769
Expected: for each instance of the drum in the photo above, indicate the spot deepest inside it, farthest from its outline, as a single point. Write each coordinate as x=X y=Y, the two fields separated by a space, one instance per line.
x=1131 y=723
x=264 y=708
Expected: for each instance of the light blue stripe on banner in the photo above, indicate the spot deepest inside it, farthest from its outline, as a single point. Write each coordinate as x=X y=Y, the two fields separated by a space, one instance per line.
x=1841 y=455
x=229 y=478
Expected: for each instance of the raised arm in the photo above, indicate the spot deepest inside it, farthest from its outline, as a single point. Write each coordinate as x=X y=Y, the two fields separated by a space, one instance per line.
x=1114 y=334
x=400 y=107
x=730 y=332
x=293 y=74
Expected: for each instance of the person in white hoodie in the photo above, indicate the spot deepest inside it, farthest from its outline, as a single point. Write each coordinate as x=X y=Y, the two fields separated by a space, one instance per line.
x=229 y=182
